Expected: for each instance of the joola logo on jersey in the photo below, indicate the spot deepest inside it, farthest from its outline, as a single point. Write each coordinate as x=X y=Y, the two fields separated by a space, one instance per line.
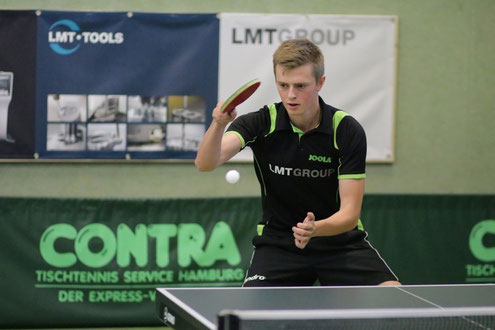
x=321 y=159
x=302 y=172
x=65 y=37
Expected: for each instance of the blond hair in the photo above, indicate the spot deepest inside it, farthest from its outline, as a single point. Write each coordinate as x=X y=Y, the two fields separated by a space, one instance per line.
x=297 y=52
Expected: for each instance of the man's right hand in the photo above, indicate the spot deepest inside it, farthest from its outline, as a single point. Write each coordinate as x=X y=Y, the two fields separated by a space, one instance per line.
x=223 y=118
x=216 y=147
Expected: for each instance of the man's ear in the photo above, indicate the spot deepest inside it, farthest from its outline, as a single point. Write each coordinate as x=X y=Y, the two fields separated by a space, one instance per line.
x=320 y=83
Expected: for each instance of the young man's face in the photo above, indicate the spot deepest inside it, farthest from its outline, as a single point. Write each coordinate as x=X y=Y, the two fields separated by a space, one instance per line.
x=298 y=88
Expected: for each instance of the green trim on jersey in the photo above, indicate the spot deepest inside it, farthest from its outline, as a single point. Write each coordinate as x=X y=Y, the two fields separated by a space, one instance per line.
x=259 y=229
x=296 y=130
x=337 y=118
x=360 y=225
x=243 y=143
x=273 y=118
x=348 y=176
x=352 y=176
x=261 y=174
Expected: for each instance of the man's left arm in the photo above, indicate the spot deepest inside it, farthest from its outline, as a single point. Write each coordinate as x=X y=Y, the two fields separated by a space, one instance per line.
x=351 y=140
x=351 y=193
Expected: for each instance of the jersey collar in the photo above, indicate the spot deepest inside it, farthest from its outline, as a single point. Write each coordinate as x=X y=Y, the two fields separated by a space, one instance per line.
x=283 y=121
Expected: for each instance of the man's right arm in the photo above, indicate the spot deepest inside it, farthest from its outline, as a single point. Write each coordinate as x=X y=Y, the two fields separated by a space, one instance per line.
x=216 y=147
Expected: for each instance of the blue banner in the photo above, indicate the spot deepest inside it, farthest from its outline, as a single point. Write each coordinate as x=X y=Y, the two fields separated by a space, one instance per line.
x=124 y=85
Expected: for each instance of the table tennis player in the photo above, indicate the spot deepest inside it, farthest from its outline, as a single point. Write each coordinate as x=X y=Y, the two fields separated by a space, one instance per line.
x=309 y=158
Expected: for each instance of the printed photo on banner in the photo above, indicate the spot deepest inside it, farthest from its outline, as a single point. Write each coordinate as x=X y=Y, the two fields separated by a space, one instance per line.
x=17 y=84
x=124 y=123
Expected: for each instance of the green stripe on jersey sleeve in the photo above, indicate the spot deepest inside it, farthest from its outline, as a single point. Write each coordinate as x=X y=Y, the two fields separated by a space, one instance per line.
x=337 y=118
x=259 y=229
x=273 y=118
x=352 y=176
x=243 y=143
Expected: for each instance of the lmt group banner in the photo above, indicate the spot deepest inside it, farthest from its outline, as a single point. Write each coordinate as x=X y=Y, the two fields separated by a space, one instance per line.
x=95 y=85
x=76 y=263
x=360 y=55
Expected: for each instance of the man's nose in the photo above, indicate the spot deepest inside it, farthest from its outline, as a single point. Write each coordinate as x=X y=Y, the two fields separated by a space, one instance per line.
x=292 y=93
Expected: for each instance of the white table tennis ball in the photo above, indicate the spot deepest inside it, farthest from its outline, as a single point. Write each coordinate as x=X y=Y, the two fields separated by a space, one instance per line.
x=232 y=176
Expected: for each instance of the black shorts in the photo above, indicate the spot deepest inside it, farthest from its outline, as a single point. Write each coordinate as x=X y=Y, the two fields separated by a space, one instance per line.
x=356 y=264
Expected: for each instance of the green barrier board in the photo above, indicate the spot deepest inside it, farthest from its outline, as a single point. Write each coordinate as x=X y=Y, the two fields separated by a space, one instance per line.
x=82 y=262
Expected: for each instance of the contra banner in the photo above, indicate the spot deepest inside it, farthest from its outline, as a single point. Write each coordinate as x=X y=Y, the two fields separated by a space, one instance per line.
x=85 y=262
x=360 y=55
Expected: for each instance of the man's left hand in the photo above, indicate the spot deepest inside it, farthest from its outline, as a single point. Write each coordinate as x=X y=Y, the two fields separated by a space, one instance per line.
x=303 y=231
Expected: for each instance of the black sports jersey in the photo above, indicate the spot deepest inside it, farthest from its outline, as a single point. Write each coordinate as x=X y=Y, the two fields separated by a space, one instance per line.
x=298 y=172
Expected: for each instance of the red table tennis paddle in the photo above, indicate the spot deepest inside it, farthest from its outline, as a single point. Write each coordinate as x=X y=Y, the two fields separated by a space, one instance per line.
x=240 y=95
